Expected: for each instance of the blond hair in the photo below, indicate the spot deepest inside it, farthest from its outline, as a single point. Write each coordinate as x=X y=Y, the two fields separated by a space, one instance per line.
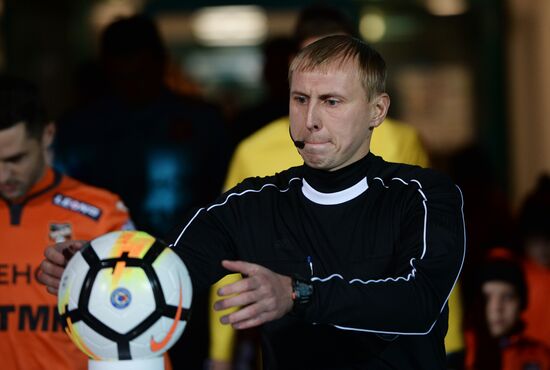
x=336 y=51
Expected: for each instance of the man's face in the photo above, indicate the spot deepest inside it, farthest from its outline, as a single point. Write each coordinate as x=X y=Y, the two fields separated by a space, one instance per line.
x=330 y=113
x=503 y=307
x=22 y=161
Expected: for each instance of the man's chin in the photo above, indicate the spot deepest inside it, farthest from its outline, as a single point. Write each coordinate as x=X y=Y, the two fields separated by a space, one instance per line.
x=11 y=194
x=498 y=330
x=317 y=164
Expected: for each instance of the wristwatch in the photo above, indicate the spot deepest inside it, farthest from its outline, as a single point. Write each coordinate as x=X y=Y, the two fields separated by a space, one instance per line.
x=302 y=293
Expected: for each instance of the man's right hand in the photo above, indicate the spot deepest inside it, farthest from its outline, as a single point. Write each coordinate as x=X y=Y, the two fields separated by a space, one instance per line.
x=53 y=266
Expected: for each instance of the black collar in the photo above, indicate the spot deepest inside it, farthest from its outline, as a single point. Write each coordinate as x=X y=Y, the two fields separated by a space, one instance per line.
x=341 y=179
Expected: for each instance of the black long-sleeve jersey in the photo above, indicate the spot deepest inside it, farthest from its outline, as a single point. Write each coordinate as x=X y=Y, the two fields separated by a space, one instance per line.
x=382 y=243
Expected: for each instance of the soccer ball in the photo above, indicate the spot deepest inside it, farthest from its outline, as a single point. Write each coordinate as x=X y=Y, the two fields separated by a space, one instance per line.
x=124 y=296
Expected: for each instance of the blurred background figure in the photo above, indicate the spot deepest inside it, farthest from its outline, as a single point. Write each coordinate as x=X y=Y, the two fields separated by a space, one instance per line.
x=534 y=238
x=276 y=54
x=496 y=338
x=164 y=152
x=488 y=215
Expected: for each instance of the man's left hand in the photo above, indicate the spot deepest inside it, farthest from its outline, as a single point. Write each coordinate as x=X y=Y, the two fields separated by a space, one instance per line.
x=263 y=295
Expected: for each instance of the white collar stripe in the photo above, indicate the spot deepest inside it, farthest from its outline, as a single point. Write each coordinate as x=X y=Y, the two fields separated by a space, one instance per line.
x=339 y=197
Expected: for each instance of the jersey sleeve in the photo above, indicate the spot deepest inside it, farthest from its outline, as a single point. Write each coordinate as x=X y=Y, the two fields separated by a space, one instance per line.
x=431 y=246
x=202 y=243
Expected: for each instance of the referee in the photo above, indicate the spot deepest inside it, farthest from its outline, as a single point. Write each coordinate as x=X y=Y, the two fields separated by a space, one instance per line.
x=348 y=260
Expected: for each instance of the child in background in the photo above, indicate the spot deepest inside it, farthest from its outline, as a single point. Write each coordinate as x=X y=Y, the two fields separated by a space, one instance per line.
x=495 y=338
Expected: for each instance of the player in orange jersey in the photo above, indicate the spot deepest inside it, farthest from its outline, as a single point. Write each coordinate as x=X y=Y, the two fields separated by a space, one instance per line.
x=39 y=206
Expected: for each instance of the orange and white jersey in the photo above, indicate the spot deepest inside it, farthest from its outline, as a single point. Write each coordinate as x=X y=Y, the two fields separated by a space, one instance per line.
x=56 y=209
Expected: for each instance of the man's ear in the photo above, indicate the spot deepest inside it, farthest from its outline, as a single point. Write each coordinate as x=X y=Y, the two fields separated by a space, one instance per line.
x=48 y=135
x=381 y=104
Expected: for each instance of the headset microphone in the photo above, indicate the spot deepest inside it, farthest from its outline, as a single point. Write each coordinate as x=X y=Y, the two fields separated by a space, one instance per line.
x=297 y=143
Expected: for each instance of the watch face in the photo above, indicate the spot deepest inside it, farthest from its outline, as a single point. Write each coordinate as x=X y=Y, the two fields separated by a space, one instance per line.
x=303 y=291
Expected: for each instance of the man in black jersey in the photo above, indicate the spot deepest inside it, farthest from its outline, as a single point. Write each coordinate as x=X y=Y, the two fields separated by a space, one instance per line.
x=348 y=260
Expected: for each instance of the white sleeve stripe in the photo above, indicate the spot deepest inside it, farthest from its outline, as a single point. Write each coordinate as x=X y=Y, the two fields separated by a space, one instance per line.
x=425 y=227
x=424 y=243
x=421 y=192
x=419 y=184
x=413 y=272
x=378 y=331
x=327 y=278
x=400 y=179
x=227 y=199
x=186 y=226
x=252 y=191
x=382 y=181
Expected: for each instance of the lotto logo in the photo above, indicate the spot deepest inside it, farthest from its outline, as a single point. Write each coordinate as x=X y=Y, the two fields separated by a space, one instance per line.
x=75 y=205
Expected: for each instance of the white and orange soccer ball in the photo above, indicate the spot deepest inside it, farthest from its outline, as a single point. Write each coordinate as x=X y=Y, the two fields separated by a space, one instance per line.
x=125 y=296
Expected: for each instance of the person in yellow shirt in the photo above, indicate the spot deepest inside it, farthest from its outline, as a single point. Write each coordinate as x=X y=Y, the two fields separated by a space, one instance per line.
x=269 y=151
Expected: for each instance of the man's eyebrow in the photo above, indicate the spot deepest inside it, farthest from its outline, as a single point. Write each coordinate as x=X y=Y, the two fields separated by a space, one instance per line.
x=330 y=95
x=13 y=157
x=322 y=97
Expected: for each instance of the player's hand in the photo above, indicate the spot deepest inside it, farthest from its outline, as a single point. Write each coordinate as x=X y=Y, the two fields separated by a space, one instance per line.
x=263 y=294
x=52 y=267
